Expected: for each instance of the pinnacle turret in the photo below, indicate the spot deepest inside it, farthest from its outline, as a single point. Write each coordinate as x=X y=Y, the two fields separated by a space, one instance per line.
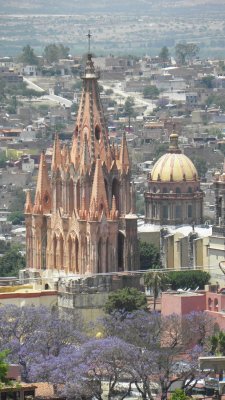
x=99 y=200
x=42 y=196
x=56 y=155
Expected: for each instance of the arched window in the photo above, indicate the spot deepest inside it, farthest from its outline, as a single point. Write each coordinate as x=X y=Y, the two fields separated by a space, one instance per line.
x=216 y=305
x=54 y=251
x=165 y=190
x=116 y=192
x=189 y=211
x=106 y=189
x=61 y=247
x=78 y=194
x=71 y=196
x=154 y=189
x=76 y=256
x=209 y=303
x=100 y=256
x=190 y=190
x=70 y=264
x=120 y=252
x=97 y=132
x=178 y=212
x=165 y=212
x=178 y=191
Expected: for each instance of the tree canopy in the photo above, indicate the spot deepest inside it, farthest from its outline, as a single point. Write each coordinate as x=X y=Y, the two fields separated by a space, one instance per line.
x=11 y=262
x=164 y=54
x=145 y=347
x=186 y=52
x=188 y=279
x=28 y=56
x=156 y=281
x=149 y=256
x=151 y=92
x=126 y=299
x=53 y=52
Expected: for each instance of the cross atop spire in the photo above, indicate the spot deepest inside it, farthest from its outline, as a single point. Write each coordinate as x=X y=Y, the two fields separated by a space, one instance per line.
x=89 y=35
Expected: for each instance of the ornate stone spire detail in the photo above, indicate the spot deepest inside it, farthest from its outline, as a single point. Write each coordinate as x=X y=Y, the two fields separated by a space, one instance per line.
x=85 y=161
x=28 y=208
x=42 y=196
x=109 y=157
x=56 y=155
x=124 y=155
x=98 y=202
x=65 y=157
x=114 y=213
x=74 y=149
x=90 y=118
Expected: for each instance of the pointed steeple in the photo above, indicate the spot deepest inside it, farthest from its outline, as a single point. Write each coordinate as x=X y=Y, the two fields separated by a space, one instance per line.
x=28 y=208
x=124 y=155
x=56 y=155
x=85 y=161
x=74 y=150
x=65 y=157
x=42 y=196
x=98 y=202
x=90 y=118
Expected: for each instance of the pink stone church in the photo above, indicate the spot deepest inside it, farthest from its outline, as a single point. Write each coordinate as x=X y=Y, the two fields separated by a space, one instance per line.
x=83 y=217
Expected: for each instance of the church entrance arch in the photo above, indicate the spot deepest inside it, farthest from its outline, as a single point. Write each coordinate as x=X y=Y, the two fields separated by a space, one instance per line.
x=121 y=240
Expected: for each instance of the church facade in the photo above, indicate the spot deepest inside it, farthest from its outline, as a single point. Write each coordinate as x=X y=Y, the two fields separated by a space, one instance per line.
x=83 y=217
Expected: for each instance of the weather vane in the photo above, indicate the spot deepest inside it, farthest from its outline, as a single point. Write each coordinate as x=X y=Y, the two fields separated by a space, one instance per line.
x=89 y=41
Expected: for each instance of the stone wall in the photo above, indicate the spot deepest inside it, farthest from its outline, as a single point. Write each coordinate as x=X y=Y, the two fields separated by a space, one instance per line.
x=88 y=295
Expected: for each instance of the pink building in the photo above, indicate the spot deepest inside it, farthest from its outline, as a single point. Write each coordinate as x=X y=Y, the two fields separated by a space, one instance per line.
x=182 y=303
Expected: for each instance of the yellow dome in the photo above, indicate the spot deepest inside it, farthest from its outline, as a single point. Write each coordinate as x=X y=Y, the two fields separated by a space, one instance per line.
x=174 y=167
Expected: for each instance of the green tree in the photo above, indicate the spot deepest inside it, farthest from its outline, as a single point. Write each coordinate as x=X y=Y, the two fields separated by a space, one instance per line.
x=4 y=246
x=217 y=100
x=217 y=343
x=179 y=394
x=156 y=281
x=164 y=54
x=11 y=262
x=53 y=52
x=16 y=217
x=126 y=299
x=3 y=160
x=188 y=279
x=129 y=108
x=208 y=81
x=161 y=149
x=19 y=198
x=185 y=52
x=4 y=366
x=2 y=90
x=200 y=164
x=108 y=92
x=151 y=92
x=28 y=56
x=149 y=256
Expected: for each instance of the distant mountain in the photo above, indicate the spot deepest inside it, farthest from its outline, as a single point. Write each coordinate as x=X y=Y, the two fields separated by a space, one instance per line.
x=116 y=6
